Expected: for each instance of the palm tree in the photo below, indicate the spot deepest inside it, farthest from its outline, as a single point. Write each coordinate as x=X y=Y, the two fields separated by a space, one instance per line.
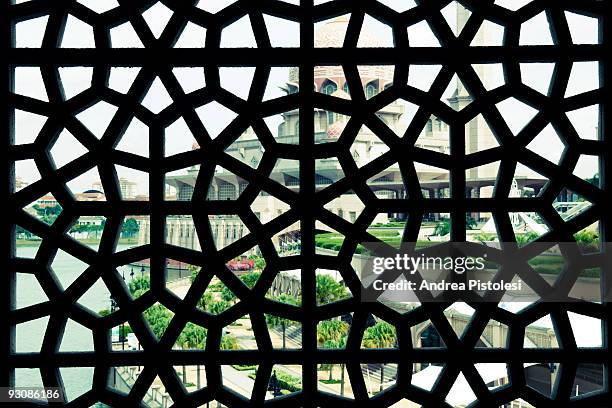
x=332 y=334
x=331 y=330
x=249 y=279
x=276 y=321
x=381 y=335
x=229 y=342
x=193 y=337
x=328 y=290
x=340 y=344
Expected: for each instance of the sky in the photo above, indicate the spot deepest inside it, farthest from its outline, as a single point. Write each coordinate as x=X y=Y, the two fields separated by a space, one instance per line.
x=28 y=81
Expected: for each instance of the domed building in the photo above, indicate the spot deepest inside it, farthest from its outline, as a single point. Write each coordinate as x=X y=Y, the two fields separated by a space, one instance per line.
x=328 y=127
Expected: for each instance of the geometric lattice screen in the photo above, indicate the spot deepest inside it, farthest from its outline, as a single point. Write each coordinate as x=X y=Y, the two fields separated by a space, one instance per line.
x=230 y=277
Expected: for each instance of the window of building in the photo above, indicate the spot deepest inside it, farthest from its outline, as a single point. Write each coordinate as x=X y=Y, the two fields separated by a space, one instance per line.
x=185 y=192
x=329 y=87
x=346 y=88
x=227 y=191
x=371 y=90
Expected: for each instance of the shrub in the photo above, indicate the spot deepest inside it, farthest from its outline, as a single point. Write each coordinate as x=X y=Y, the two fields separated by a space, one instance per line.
x=139 y=283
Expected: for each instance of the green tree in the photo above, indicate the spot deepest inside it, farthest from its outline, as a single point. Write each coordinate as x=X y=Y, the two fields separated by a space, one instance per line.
x=227 y=295
x=381 y=335
x=22 y=231
x=587 y=240
x=260 y=262
x=48 y=214
x=249 y=280
x=205 y=301
x=158 y=318
x=340 y=344
x=138 y=293
x=139 y=283
x=229 y=342
x=79 y=228
x=594 y=180
x=276 y=321
x=470 y=223
x=442 y=228
x=209 y=304
x=98 y=228
x=217 y=307
x=328 y=290
x=332 y=334
x=195 y=270
x=331 y=330
x=193 y=337
x=130 y=228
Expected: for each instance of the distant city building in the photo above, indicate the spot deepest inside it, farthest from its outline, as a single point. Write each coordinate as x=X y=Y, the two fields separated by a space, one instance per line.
x=92 y=220
x=87 y=226
x=46 y=201
x=90 y=195
x=140 y=197
x=128 y=188
x=19 y=183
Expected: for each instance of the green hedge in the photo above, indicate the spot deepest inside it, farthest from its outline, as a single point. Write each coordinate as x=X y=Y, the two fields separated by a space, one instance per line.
x=244 y=367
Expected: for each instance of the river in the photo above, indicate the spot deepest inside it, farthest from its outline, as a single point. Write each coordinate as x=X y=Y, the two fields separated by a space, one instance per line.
x=29 y=336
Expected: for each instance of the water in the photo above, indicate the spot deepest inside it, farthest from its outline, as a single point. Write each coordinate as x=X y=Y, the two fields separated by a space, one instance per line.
x=29 y=335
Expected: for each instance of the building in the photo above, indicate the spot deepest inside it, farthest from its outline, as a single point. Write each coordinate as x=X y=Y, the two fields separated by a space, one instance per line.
x=87 y=226
x=90 y=195
x=46 y=201
x=128 y=188
x=20 y=183
x=328 y=127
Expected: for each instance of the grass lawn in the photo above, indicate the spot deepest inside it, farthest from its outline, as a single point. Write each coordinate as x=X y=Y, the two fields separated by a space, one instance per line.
x=333 y=241
x=543 y=264
x=37 y=242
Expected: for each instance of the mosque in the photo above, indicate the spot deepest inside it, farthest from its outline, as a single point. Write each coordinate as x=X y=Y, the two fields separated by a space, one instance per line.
x=328 y=127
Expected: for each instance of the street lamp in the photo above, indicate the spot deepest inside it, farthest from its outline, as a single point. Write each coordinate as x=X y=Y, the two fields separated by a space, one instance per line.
x=132 y=273
x=142 y=271
x=114 y=307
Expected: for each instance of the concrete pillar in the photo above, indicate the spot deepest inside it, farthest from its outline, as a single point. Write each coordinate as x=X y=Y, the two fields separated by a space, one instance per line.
x=498 y=336
x=143 y=231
